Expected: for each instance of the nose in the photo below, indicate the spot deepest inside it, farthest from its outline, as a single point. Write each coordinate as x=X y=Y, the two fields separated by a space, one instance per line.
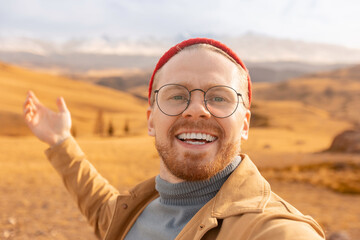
x=196 y=108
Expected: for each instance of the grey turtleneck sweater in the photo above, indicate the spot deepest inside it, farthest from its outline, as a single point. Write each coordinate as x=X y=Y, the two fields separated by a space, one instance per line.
x=166 y=216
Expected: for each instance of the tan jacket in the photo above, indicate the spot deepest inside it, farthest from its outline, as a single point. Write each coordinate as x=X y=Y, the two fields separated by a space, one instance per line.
x=245 y=207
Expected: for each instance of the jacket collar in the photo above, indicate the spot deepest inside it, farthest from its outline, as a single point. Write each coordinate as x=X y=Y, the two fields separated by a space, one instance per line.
x=245 y=191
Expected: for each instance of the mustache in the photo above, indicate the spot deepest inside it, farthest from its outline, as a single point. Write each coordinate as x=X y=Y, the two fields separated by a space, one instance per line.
x=198 y=125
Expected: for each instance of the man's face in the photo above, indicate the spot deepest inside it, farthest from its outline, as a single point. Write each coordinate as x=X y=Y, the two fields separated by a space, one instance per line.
x=182 y=155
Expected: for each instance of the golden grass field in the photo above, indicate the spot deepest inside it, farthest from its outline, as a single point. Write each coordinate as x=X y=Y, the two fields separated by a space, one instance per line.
x=288 y=152
x=83 y=100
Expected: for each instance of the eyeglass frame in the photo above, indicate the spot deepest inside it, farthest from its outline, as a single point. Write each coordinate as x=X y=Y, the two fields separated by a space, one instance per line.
x=205 y=102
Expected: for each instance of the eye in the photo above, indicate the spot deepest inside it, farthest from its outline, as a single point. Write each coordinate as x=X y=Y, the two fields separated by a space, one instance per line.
x=218 y=99
x=178 y=97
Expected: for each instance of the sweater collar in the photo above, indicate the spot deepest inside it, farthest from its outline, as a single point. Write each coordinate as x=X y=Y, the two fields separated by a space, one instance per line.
x=194 y=193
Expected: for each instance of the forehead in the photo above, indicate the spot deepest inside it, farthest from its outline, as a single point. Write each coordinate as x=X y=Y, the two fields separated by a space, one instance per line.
x=199 y=68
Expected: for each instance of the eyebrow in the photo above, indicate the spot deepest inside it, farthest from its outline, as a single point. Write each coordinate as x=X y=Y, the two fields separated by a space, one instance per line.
x=188 y=84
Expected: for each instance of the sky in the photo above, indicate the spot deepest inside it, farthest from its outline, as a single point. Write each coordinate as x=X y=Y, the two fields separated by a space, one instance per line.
x=324 y=21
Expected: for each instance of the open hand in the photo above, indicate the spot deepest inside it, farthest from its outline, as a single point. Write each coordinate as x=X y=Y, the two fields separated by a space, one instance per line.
x=49 y=126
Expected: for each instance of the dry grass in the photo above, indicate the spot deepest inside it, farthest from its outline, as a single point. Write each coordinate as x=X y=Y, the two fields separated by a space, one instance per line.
x=34 y=203
x=337 y=95
x=333 y=211
x=342 y=177
x=293 y=127
x=83 y=100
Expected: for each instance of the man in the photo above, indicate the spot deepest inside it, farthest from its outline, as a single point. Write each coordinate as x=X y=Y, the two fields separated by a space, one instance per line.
x=199 y=112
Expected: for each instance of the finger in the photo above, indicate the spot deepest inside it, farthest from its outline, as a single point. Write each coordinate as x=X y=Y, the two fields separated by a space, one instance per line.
x=29 y=111
x=26 y=103
x=28 y=118
x=26 y=111
x=26 y=106
x=32 y=95
x=27 y=99
x=62 y=105
x=29 y=105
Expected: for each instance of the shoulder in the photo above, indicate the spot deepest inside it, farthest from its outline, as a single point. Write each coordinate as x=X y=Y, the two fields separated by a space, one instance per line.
x=286 y=227
x=278 y=220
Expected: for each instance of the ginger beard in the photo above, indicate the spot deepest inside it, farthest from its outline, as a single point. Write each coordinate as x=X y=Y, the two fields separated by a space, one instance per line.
x=191 y=166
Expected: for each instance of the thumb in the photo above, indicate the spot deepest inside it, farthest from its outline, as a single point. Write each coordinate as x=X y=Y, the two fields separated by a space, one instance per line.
x=61 y=105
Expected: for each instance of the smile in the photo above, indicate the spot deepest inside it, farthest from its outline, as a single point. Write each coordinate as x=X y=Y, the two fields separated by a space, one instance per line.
x=196 y=138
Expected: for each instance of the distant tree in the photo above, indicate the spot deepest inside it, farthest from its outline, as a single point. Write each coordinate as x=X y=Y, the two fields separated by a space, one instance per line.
x=73 y=131
x=329 y=92
x=126 y=127
x=110 y=129
x=99 y=123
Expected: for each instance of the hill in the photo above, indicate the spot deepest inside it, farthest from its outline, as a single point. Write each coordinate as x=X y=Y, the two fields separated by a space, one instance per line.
x=135 y=81
x=84 y=100
x=337 y=92
x=291 y=127
x=283 y=123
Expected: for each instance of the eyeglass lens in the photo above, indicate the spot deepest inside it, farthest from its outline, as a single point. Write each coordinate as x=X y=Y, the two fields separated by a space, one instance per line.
x=220 y=101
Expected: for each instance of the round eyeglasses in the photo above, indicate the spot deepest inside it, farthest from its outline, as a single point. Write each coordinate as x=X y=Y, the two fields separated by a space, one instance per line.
x=221 y=101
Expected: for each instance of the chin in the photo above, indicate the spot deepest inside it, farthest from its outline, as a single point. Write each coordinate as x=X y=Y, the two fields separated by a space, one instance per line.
x=194 y=164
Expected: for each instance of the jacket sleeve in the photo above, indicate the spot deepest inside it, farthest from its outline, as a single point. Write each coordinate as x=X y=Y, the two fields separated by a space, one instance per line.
x=95 y=197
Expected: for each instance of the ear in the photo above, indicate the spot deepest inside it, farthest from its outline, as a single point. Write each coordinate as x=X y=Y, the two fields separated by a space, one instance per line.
x=246 y=125
x=150 y=121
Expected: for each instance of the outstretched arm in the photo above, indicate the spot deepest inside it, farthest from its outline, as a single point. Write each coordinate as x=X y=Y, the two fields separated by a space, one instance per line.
x=94 y=195
x=49 y=126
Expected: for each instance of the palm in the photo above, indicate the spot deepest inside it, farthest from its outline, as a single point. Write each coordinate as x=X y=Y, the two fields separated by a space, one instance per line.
x=49 y=126
x=47 y=123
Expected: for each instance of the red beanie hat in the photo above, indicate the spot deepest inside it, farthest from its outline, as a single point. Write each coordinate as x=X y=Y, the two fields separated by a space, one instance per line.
x=178 y=47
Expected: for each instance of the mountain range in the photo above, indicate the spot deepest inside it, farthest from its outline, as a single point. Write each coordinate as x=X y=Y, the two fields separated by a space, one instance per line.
x=278 y=59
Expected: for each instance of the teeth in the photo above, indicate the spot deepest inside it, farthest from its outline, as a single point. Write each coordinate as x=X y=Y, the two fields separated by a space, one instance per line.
x=195 y=143
x=197 y=136
x=209 y=138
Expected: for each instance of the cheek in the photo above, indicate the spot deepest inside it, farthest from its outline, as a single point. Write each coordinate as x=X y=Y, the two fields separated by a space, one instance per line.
x=162 y=124
x=232 y=128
